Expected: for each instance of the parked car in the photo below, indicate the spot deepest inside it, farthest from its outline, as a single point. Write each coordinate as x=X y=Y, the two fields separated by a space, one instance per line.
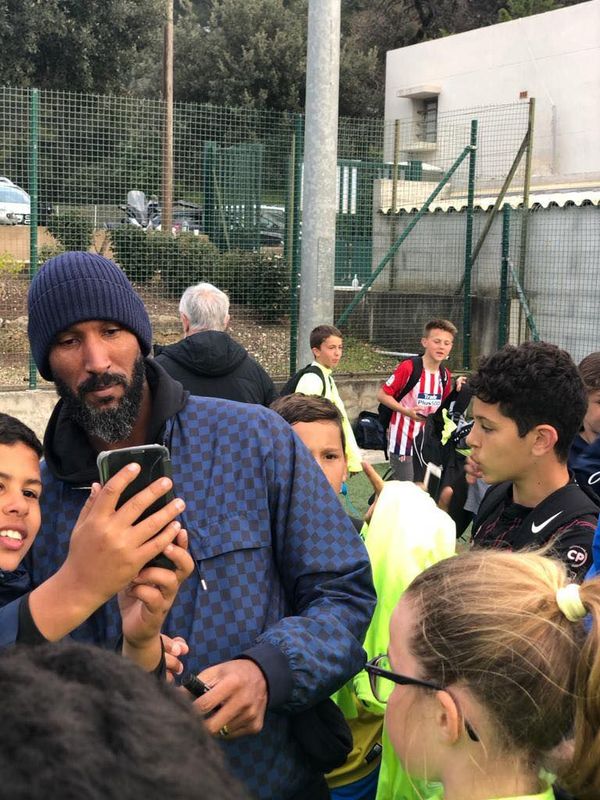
x=187 y=217
x=272 y=226
x=271 y=223
x=15 y=204
x=145 y=213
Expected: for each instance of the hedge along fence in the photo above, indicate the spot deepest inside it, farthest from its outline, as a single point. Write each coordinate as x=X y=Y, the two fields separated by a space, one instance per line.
x=256 y=279
x=259 y=280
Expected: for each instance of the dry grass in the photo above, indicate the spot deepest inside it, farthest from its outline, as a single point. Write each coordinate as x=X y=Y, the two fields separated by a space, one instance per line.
x=268 y=343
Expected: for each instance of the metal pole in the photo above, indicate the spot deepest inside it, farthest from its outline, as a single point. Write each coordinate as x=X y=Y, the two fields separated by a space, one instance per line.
x=34 y=112
x=524 y=304
x=393 y=249
x=394 y=227
x=166 y=215
x=295 y=260
x=503 y=311
x=499 y=199
x=467 y=290
x=526 y=187
x=320 y=163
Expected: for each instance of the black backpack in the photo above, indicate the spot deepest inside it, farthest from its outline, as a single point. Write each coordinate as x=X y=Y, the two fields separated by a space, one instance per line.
x=290 y=386
x=384 y=413
x=369 y=433
x=428 y=445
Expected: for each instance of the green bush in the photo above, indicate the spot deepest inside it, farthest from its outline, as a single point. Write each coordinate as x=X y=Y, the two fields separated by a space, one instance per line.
x=130 y=249
x=189 y=260
x=180 y=260
x=257 y=280
x=9 y=265
x=47 y=251
x=164 y=256
x=73 y=230
x=251 y=278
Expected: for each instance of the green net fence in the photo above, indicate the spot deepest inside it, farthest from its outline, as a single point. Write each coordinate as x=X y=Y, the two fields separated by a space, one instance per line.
x=99 y=176
x=90 y=169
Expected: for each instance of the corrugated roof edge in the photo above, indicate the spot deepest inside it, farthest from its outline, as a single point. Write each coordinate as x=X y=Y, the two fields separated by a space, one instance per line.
x=536 y=200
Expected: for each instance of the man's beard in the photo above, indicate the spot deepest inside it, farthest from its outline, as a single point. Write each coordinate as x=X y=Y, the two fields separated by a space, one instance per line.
x=109 y=424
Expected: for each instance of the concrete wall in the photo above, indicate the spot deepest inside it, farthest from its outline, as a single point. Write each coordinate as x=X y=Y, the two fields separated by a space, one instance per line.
x=34 y=407
x=554 y=57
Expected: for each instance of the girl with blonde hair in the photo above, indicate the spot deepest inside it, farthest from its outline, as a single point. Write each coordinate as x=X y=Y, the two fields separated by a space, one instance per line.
x=493 y=675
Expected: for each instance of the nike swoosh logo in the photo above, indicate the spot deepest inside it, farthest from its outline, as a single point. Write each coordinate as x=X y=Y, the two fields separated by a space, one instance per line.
x=537 y=528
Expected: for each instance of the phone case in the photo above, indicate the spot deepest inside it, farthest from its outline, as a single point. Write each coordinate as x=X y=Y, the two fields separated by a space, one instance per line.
x=155 y=462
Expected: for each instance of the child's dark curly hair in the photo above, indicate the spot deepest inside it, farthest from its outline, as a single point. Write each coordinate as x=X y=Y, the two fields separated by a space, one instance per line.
x=535 y=383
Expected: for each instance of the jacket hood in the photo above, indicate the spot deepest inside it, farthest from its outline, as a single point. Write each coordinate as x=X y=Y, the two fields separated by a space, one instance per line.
x=67 y=450
x=210 y=353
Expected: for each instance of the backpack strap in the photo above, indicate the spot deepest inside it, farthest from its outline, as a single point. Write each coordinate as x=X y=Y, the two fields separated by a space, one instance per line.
x=415 y=377
x=310 y=369
x=319 y=372
x=292 y=383
x=443 y=377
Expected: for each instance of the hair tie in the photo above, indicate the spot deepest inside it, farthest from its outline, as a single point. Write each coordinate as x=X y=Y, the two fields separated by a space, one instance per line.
x=569 y=601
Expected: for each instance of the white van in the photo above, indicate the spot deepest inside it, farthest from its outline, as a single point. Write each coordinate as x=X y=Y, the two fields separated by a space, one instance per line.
x=15 y=204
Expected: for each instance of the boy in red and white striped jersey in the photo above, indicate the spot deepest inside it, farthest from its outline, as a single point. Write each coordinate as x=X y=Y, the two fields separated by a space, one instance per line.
x=416 y=389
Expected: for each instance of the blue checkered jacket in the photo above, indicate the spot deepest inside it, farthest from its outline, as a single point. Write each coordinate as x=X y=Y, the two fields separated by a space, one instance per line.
x=287 y=577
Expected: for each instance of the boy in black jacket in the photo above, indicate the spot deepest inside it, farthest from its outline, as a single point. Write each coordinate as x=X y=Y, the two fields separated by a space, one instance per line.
x=529 y=404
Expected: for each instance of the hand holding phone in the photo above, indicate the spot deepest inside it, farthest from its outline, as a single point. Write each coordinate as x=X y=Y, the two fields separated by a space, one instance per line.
x=155 y=462
x=107 y=551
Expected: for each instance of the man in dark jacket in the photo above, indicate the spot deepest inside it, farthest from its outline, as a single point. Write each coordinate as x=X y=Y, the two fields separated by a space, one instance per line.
x=208 y=362
x=281 y=597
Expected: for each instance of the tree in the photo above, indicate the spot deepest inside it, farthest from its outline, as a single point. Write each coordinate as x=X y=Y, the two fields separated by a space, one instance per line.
x=525 y=8
x=251 y=53
x=70 y=45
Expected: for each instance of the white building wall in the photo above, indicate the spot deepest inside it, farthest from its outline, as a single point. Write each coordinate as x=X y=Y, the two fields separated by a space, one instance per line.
x=554 y=57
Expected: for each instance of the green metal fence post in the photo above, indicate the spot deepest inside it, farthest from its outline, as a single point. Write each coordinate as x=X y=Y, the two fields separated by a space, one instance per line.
x=503 y=311
x=296 y=260
x=209 y=159
x=398 y=243
x=526 y=188
x=467 y=291
x=34 y=199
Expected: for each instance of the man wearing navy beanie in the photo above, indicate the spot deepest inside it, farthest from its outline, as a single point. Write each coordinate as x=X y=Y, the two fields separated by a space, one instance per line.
x=276 y=610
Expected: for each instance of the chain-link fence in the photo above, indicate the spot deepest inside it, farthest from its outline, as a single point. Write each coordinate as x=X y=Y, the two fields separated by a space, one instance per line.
x=90 y=169
x=98 y=162
x=443 y=245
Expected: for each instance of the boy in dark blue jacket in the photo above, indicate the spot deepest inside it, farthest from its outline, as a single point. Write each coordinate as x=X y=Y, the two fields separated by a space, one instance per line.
x=20 y=489
x=20 y=521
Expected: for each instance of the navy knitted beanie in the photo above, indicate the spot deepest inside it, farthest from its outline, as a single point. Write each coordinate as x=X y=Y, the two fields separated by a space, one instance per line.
x=76 y=287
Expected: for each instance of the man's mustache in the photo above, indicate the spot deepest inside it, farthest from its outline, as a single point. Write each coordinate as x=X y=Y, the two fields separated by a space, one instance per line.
x=95 y=382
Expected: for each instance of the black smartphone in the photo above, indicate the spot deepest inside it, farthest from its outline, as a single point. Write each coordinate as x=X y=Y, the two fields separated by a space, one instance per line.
x=195 y=686
x=432 y=479
x=155 y=463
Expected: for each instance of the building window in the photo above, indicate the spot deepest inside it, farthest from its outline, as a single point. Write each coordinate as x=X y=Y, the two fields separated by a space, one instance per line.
x=427 y=113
